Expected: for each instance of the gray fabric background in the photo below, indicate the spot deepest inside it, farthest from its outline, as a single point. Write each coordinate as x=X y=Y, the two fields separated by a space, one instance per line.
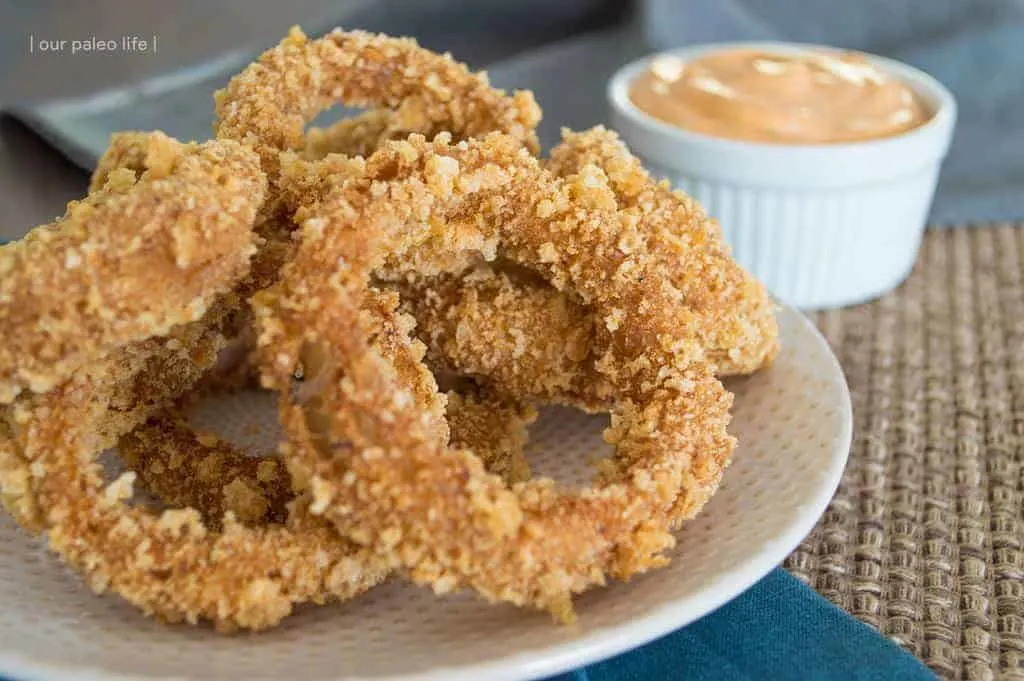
x=975 y=47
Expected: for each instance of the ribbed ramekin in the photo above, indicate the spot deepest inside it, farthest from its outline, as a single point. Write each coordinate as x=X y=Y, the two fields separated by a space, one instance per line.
x=821 y=225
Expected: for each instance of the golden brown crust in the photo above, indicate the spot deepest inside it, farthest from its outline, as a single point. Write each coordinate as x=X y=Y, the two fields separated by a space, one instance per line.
x=170 y=564
x=435 y=511
x=737 y=316
x=129 y=261
x=140 y=379
x=185 y=468
x=269 y=103
x=524 y=337
x=517 y=335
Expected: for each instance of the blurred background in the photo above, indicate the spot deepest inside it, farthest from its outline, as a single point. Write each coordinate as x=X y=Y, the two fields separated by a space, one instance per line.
x=564 y=50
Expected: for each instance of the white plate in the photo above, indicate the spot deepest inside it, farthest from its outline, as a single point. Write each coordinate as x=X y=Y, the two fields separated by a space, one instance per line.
x=793 y=421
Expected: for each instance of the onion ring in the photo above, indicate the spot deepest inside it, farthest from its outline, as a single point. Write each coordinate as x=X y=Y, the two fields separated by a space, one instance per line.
x=737 y=324
x=269 y=103
x=185 y=468
x=172 y=564
x=169 y=563
x=520 y=335
x=182 y=467
x=435 y=511
x=139 y=379
x=128 y=262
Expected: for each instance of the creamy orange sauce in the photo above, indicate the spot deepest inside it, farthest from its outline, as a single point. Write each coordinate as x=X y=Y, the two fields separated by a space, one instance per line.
x=813 y=97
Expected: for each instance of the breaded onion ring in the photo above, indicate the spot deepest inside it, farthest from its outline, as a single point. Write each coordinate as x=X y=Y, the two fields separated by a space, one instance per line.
x=436 y=511
x=128 y=262
x=520 y=335
x=182 y=467
x=736 y=324
x=139 y=380
x=186 y=468
x=189 y=563
x=269 y=103
x=170 y=563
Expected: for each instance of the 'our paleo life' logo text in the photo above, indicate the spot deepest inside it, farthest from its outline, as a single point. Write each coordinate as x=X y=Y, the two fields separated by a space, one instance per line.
x=125 y=44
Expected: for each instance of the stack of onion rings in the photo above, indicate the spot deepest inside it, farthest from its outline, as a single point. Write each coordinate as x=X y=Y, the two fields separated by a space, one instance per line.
x=492 y=258
x=370 y=465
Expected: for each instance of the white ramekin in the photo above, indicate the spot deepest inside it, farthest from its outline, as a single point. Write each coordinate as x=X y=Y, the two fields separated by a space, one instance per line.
x=821 y=225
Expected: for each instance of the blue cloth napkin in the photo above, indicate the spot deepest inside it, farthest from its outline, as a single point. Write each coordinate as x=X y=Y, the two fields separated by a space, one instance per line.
x=780 y=629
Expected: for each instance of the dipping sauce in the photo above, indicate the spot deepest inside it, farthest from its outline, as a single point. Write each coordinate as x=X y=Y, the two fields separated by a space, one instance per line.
x=812 y=97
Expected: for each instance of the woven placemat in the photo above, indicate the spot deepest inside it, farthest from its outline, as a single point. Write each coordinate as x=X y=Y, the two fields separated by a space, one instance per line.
x=924 y=538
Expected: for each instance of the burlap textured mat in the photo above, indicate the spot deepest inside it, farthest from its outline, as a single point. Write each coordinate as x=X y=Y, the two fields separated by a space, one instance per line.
x=924 y=538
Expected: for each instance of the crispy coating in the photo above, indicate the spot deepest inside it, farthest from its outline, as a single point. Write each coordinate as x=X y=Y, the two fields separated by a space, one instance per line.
x=168 y=563
x=510 y=331
x=244 y=569
x=521 y=336
x=494 y=426
x=269 y=103
x=450 y=246
x=737 y=324
x=186 y=468
x=435 y=511
x=129 y=150
x=141 y=379
x=128 y=262
x=183 y=467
